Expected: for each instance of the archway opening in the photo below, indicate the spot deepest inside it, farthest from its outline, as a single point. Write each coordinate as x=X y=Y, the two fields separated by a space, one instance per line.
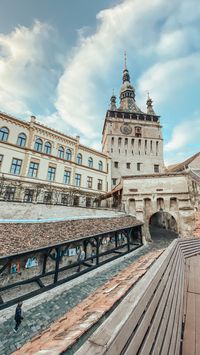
x=163 y=227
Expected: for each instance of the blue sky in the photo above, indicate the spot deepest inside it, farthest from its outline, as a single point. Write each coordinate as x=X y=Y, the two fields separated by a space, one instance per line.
x=60 y=60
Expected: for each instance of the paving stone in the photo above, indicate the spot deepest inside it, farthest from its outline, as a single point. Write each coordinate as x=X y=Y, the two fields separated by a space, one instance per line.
x=40 y=316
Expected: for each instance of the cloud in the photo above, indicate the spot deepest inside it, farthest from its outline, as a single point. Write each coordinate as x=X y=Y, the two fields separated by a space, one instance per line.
x=67 y=90
x=27 y=67
x=183 y=135
x=94 y=56
x=167 y=80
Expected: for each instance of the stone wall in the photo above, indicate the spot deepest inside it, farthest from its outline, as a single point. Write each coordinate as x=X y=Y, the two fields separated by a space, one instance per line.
x=15 y=210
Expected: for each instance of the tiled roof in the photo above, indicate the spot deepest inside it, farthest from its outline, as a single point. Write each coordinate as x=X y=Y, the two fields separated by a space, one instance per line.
x=21 y=237
x=181 y=166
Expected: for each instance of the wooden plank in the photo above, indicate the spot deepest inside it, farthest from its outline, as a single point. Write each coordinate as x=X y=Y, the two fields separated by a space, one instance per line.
x=151 y=336
x=176 y=336
x=189 y=332
x=181 y=318
x=165 y=318
x=197 y=324
x=170 y=323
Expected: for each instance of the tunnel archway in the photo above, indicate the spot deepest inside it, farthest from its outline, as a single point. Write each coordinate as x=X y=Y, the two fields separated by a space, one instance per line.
x=163 y=226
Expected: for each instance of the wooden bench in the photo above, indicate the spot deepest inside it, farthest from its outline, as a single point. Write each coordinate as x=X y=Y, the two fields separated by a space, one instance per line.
x=150 y=319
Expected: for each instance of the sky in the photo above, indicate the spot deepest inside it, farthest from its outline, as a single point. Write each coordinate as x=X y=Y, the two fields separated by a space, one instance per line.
x=60 y=61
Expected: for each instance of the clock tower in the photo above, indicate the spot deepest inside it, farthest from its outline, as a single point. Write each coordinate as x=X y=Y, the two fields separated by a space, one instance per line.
x=131 y=137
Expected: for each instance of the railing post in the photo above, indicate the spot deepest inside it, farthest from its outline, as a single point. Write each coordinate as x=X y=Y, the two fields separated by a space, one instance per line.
x=57 y=264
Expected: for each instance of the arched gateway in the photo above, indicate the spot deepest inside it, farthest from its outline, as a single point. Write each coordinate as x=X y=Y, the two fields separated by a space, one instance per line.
x=163 y=224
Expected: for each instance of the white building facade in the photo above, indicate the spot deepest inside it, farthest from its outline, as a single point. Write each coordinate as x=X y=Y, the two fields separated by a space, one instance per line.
x=40 y=164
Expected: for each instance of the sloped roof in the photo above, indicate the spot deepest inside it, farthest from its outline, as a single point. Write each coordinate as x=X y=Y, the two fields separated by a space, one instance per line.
x=18 y=238
x=111 y=193
x=183 y=165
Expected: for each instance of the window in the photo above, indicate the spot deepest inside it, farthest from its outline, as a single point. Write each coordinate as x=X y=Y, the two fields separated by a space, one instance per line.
x=47 y=196
x=138 y=131
x=51 y=173
x=79 y=158
x=16 y=166
x=145 y=146
x=4 y=131
x=68 y=154
x=157 y=148
x=114 y=181
x=128 y=165
x=1 y=160
x=151 y=146
x=47 y=148
x=112 y=140
x=139 y=143
x=76 y=200
x=156 y=168
x=139 y=166
x=61 y=152
x=126 y=141
x=77 y=179
x=116 y=164
x=100 y=165
x=28 y=195
x=119 y=142
x=132 y=142
x=65 y=199
x=21 y=140
x=88 y=202
x=90 y=162
x=10 y=193
x=89 y=182
x=100 y=184
x=38 y=145
x=33 y=169
x=67 y=175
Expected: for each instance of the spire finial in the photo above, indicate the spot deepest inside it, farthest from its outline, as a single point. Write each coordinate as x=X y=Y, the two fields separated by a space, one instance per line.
x=150 y=109
x=113 y=101
x=125 y=60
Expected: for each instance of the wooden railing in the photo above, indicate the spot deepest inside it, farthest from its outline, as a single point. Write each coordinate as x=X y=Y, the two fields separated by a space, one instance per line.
x=150 y=318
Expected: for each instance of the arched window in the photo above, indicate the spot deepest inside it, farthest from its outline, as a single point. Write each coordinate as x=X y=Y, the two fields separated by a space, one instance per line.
x=47 y=148
x=100 y=165
x=38 y=145
x=90 y=162
x=68 y=154
x=4 y=131
x=79 y=158
x=21 y=140
x=61 y=152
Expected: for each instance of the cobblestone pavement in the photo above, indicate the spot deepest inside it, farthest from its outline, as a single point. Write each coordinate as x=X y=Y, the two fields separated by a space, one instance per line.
x=41 y=314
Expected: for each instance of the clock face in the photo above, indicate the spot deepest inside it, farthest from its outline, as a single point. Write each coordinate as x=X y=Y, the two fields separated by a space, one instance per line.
x=126 y=129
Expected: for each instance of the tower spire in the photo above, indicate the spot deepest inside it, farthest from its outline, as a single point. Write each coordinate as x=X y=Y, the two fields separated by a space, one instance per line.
x=150 y=110
x=126 y=76
x=113 y=101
